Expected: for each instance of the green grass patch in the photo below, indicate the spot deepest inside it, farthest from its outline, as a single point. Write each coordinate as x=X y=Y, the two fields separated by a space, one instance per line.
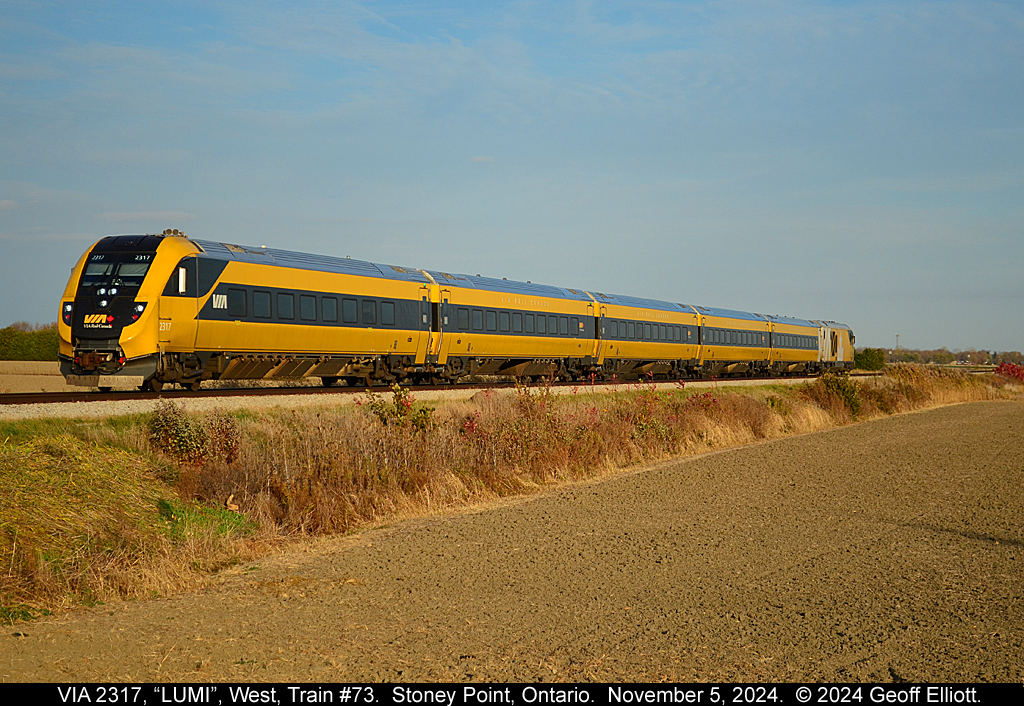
x=181 y=520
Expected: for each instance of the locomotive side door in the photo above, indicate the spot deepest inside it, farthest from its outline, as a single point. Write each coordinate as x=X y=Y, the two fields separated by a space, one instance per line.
x=179 y=308
x=599 y=335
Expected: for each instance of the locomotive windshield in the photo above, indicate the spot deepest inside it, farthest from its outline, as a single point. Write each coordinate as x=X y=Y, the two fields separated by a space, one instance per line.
x=122 y=269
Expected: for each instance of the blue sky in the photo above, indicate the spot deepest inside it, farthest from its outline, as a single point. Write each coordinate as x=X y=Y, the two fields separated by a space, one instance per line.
x=855 y=161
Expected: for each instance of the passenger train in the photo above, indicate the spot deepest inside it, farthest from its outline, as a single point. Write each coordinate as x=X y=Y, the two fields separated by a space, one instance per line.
x=153 y=310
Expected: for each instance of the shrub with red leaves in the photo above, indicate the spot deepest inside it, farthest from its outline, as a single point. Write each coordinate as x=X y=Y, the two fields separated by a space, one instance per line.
x=1010 y=370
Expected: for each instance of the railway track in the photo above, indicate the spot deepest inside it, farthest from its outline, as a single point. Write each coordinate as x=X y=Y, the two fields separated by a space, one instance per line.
x=125 y=395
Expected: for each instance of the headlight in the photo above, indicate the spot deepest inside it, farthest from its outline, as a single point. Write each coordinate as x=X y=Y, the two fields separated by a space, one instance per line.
x=101 y=291
x=103 y=303
x=113 y=291
x=66 y=312
x=137 y=312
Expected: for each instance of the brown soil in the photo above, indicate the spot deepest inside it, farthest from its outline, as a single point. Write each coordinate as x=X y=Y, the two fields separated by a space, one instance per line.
x=882 y=551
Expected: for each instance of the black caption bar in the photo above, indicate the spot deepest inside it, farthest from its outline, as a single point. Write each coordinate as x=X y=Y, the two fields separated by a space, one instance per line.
x=505 y=694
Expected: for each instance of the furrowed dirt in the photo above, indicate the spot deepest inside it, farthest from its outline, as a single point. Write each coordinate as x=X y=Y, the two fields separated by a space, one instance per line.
x=888 y=550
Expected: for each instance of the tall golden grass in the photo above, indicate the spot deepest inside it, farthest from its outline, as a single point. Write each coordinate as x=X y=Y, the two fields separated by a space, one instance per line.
x=143 y=505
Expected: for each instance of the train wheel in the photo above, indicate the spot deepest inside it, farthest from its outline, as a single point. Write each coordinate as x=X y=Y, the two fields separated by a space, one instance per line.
x=152 y=385
x=193 y=386
x=328 y=381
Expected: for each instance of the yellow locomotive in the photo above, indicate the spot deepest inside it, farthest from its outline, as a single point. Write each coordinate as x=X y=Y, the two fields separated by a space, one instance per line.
x=158 y=309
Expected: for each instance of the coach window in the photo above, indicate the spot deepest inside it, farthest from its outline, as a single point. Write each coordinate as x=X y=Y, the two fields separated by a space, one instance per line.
x=492 y=320
x=285 y=306
x=478 y=320
x=630 y=330
x=329 y=309
x=613 y=329
x=553 y=325
x=529 y=323
x=503 y=321
x=261 y=305
x=517 y=323
x=664 y=334
x=236 y=302
x=369 y=312
x=387 y=313
x=463 y=319
x=574 y=326
x=307 y=307
x=542 y=324
x=350 y=311
x=563 y=325
x=647 y=332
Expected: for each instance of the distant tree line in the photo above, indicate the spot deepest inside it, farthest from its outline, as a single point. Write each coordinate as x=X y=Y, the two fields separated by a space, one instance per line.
x=876 y=358
x=943 y=356
x=24 y=341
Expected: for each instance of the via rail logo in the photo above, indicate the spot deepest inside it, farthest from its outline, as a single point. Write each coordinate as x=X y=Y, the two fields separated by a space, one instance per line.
x=99 y=321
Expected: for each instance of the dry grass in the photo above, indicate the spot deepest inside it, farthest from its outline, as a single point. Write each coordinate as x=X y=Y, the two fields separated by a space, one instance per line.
x=140 y=505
